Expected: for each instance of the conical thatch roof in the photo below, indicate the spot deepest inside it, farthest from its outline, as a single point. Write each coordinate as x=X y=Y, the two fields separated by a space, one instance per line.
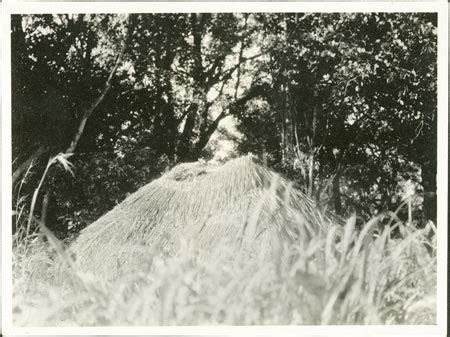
x=241 y=202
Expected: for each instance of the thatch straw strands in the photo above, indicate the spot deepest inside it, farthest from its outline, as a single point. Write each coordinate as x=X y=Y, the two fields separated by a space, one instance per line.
x=241 y=202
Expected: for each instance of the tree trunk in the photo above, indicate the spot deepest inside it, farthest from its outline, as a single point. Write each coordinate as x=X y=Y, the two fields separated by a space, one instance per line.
x=206 y=136
x=44 y=208
x=88 y=112
x=429 y=189
x=312 y=148
x=337 y=193
x=49 y=215
x=311 y=173
x=18 y=36
x=184 y=143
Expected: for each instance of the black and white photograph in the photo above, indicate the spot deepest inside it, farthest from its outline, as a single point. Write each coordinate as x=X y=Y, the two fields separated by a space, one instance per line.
x=242 y=168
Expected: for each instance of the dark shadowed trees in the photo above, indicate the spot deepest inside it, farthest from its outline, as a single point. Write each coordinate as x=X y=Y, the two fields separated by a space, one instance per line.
x=352 y=105
x=344 y=104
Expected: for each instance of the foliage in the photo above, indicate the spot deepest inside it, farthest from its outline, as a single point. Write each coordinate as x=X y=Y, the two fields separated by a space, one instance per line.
x=354 y=93
x=343 y=104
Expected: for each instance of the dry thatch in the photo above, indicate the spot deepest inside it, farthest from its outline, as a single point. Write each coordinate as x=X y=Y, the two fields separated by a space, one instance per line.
x=241 y=202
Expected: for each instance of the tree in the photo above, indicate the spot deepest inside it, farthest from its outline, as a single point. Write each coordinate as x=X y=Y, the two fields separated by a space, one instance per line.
x=353 y=92
x=344 y=104
x=156 y=103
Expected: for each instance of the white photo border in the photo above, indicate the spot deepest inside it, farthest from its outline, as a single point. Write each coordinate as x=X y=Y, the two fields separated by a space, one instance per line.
x=441 y=8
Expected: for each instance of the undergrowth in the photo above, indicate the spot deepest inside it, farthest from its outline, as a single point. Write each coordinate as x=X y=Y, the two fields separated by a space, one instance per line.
x=346 y=276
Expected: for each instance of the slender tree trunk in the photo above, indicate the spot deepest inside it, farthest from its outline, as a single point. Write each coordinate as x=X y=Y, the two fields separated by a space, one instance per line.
x=430 y=196
x=185 y=148
x=287 y=123
x=312 y=149
x=311 y=174
x=88 y=112
x=44 y=208
x=337 y=193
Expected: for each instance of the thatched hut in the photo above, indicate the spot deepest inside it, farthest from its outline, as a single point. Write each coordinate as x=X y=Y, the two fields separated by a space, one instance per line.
x=240 y=203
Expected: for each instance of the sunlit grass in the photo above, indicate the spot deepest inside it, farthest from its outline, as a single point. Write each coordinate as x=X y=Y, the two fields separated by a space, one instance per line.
x=342 y=277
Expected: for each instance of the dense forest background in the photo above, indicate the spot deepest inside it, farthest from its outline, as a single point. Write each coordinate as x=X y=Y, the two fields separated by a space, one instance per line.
x=344 y=105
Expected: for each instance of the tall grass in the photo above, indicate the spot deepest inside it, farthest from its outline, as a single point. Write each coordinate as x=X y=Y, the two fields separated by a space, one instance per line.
x=378 y=274
x=344 y=277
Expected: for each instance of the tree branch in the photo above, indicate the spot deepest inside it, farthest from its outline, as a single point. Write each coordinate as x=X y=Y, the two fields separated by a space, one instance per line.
x=88 y=112
x=241 y=52
x=228 y=73
x=204 y=138
x=24 y=166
